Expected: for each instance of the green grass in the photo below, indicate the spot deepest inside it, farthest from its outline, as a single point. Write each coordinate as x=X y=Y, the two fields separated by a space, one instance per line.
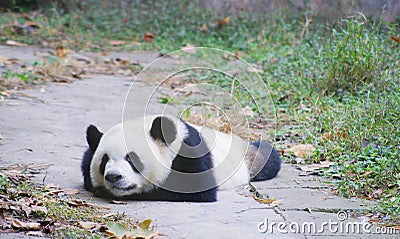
x=338 y=82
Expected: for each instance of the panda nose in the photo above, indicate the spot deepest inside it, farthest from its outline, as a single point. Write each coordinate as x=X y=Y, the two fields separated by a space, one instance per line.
x=113 y=177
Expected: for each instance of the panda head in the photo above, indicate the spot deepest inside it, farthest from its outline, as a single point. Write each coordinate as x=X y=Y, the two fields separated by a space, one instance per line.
x=135 y=155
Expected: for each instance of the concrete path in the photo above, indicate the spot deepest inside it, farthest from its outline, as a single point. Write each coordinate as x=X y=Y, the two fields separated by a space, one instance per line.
x=46 y=125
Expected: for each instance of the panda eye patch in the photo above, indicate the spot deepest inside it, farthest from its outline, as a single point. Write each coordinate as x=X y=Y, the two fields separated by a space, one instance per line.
x=134 y=162
x=103 y=164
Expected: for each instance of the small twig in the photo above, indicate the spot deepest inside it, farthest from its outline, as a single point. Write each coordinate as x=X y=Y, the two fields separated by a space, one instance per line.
x=305 y=28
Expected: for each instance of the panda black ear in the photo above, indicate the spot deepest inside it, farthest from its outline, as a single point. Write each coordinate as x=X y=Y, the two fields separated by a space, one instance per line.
x=163 y=129
x=93 y=136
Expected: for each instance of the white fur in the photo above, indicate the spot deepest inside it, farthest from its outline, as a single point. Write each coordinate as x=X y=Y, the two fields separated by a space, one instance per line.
x=228 y=152
x=156 y=156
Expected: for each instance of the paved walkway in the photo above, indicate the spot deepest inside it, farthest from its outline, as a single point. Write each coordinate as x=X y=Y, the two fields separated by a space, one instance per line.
x=47 y=125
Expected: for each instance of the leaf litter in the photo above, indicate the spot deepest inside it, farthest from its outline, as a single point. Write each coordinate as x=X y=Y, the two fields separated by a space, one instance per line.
x=61 y=65
x=48 y=210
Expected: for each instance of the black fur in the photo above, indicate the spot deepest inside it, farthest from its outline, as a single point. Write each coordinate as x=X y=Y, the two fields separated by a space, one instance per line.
x=273 y=165
x=190 y=159
x=163 y=129
x=93 y=136
x=85 y=168
x=200 y=161
x=104 y=161
x=134 y=162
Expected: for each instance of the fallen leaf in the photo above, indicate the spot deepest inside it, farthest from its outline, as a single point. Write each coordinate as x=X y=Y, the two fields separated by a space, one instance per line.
x=31 y=26
x=1 y=137
x=299 y=160
x=264 y=200
x=27 y=210
x=126 y=20
x=247 y=111
x=36 y=233
x=108 y=215
x=118 y=230
x=87 y=225
x=15 y=43
x=232 y=57
x=238 y=54
x=336 y=176
x=315 y=167
x=3 y=59
x=328 y=136
x=189 y=49
x=253 y=69
x=39 y=209
x=3 y=221
x=122 y=61
x=224 y=21
x=117 y=42
x=25 y=226
x=71 y=191
x=26 y=16
x=80 y=203
x=301 y=150
x=62 y=52
x=145 y=224
x=377 y=193
x=204 y=27
x=396 y=39
x=148 y=37
x=276 y=203
x=119 y=202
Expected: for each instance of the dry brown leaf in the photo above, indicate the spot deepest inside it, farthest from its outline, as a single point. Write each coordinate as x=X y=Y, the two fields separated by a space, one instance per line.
x=122 y=61
x=62 y=52
x=36 y=233
x=119 y=202
x=204 y=27
x=316 y=166
x=301 y=150
x=71 y=191
x=238 y=54
x=253 y=69
x=87 y=225
x=189 y=49
x=3 y=59
x=26 y=16
x=39 y=209
x=25 y=226
x=395 y=39
x=247 y=111
x=264 y=200
x=15 y=43
x=377 y=193
x=117 y=42
x=27 y=210
x=224 y=21
x=31 y=24
x=276 y=203
x=148 y=37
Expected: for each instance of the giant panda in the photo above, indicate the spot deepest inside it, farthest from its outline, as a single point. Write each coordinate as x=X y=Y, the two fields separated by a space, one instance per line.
x=163 y=158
